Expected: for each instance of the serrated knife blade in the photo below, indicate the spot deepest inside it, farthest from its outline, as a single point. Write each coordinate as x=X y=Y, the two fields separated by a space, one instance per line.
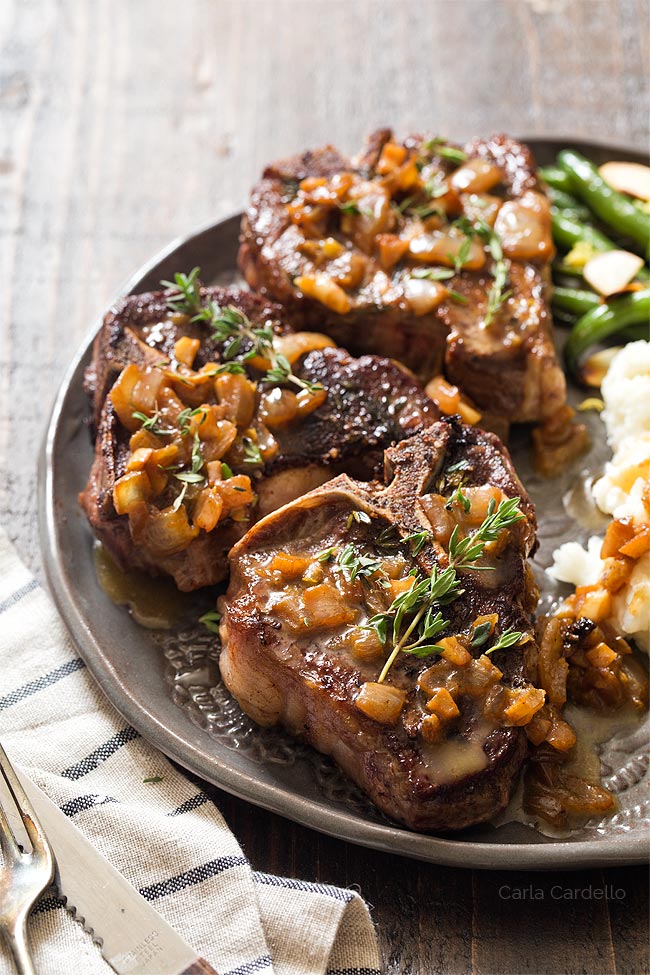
x=134 y=939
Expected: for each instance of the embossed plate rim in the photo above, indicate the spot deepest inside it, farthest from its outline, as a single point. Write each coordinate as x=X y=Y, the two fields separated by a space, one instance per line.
x=96 y=629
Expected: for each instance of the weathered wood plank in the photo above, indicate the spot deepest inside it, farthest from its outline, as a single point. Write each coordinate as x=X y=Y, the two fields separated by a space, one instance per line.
x=124 y=124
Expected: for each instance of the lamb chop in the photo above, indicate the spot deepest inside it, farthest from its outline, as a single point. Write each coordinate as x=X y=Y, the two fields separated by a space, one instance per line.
x=207 y=420
x=390 y=626
x=421 y=251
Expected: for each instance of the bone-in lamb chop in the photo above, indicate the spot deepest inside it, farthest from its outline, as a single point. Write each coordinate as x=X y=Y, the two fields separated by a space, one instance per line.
x=208 y=417
x=390 y=626
x=421 y=251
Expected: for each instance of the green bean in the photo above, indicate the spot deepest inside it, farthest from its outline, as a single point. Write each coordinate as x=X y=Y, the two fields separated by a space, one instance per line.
x=569 y=231
x=562 y=271
x=569 y=204
x=556 y=178
x=574 y=300
x=598 y=323
x=613 y=208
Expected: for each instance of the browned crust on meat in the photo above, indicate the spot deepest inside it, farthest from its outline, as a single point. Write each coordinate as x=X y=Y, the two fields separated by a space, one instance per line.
x=360 y=417
x=311 y=691
x=531 y=384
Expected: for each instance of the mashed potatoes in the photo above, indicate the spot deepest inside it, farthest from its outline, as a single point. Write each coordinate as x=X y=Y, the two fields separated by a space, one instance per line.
x=623 y=491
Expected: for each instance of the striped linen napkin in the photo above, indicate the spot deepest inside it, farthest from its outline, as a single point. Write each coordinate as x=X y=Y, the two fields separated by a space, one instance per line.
x=165 y=836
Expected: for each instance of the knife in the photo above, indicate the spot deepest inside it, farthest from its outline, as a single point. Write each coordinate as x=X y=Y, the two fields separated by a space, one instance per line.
x=133 y=937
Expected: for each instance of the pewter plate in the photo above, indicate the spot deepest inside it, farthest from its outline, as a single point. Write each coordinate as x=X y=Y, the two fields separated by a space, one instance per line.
x=167 y=686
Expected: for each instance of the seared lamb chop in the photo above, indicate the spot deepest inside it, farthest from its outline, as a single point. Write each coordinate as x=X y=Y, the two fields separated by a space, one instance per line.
x=434 y=734
x=197 y=437
x=420 y=251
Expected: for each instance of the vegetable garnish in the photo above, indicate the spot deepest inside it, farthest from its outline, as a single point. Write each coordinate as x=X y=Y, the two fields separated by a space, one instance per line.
x=581 y=197
x=509 y=638
x=211 y=620
x=413 y=620
x=252 y=453
x=188 y=299
x=479 y=228
x=151 y=423
x=357 y=566
x=193 y=476
x=465 y=552
x=234 y=329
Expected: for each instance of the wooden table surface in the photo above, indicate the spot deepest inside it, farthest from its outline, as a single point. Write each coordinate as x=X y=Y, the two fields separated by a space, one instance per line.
x=124 y=123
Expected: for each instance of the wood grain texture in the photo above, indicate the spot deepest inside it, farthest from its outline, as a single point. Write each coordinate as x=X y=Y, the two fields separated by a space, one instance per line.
x=124 y=124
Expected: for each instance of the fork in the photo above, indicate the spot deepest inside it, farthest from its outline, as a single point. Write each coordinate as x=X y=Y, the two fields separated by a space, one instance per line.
x=26 y=872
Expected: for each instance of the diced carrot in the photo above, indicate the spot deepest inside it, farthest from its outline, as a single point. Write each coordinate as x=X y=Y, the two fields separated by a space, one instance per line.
x=443 y=704
x=431 y=728
x=491 y=618
x=207 y=510
x=322 y=288
x=443 y=394
x=538 y=727
x=454 y=652
x=616 y=572
x=391 y=249
x=138 y=458
x=398 y=586
x=235 y=492
x=391 y=156
x=467 y=413
x=601 y=655
x=185 y=350
x=408 y=175
x=618 y=533
x=638 y=545
x=524 y=704
x=291 y=566
x=561 y=736
x=596 y=605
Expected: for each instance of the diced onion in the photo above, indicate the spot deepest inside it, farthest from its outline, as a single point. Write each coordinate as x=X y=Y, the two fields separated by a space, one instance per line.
x=381 y=702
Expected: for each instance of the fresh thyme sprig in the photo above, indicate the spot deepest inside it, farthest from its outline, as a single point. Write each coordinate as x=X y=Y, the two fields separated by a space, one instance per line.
x=352 y=208
x=440 y=274
x=496 y=295
x=233 y=328
x=150 y=423
x=357 y=566
x=465 y=552
x=459 y=498
x=413 y=618
x=211 y=620
x=509 y=638
x=187 y=300
x=252 y=453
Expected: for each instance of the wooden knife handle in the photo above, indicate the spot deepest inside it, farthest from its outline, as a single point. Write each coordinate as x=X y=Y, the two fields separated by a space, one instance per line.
x=200 y=967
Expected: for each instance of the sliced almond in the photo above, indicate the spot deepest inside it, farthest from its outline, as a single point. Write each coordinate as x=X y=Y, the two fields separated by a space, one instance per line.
x=611 y=271
x=595 y=367
x=627 y=177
